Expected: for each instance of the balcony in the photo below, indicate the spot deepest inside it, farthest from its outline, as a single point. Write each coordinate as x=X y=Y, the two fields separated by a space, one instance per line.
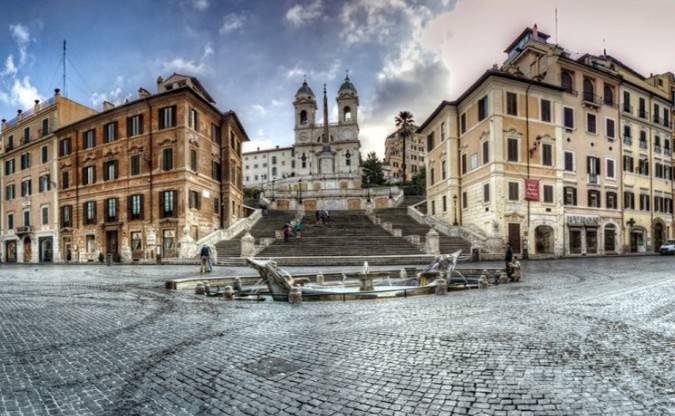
x=657 y=148
x=593 y=179
x=627 y=108
x=23 y=229
x=643 y=144
x=627 y=140
x=591 y=99
x=666 y=151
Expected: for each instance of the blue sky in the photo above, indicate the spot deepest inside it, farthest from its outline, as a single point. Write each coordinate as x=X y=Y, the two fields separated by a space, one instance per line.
x=252 y=54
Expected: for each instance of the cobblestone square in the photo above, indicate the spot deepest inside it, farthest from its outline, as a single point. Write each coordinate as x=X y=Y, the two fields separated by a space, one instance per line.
x=582 y=336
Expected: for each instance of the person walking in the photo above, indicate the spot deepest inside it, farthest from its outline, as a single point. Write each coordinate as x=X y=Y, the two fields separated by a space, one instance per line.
x=297 y=230
x=508 y=259
x=287 y=232
x=204 y=257
x=318 y=216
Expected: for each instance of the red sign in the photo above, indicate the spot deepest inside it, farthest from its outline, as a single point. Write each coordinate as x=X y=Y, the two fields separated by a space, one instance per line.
x=532 y=189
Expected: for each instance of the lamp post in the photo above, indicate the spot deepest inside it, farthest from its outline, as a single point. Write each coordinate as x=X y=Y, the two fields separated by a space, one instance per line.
x=300 y=191
x=348 y=156
x=368 y=187
x=454 y=200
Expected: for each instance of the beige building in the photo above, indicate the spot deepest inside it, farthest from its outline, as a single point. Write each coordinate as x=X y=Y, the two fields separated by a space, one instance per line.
x=393 y=155
x=605 y=133
x=29 y=219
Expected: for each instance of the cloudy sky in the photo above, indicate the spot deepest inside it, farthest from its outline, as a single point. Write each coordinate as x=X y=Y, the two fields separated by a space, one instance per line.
x=252 y=54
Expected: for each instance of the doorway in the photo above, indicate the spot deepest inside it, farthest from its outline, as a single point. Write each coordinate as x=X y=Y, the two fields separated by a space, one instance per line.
x=543 y=240
x=46 y=252
x=636 y=241
x=658 y=236
x=111 y=244
x=10 y=251
x=514 y=237
x=27 y=250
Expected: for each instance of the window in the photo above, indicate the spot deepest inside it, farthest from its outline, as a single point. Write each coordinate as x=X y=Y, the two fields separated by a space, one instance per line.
x=432 y=176
x=511 y=103
x=443 y=131
x=593 y=169
x=194 y=119
x=642 y=109
x=135 y=125
x=486 y=152
x=89 y=212
x=303 y=117
x=628 y=163
x=626 y=102
x=609 y=95
x=10 y=221
x=26 y=218
x=66 y=216
x=64 y=147
x=548 y=194
x=589 y=90
x=591 y=123
x=545 y=110
x=135 y=165
x=569 y=161
x=110 y=132
x=44 y=184
x=25 y=161
x=465 y=200
x=44 y=152
x=643 y=167
x=513 y=191
x=643 y=139
x=610 y=168
x=216 y=205
x=486 y=192
x=10 y=192
x=136 y=207
x=445 y=203
x=65 y=179
x=462 y=123
x=570 y=195
x=567 y=82
x=193 y=160
x=547 y=154
x=88 y=175
x=482 y=108
x=430 y=142
x=167 y=204
x=609 y=128
x=628 y=200
x=89 y=139
x=10 y=143
x=167 y=159
x=195 y=200
x=443 y=169
x=611 y=200
x=45 y=215
x=274 y=160
x=644 y=202
x=512 y=151
x=568 y=117
x=111 y=210
x=167 y=117
x=464 y=165
x=9 y=167
x=26 y=187
x=594 y=199
x=433 y=207
x=109 y=170
x=627 y=133
x=216 y=171
x=657 y=113
x=26 y=135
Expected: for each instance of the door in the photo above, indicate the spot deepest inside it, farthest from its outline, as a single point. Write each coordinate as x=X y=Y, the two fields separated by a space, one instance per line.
x=27 y=250
x=634 y=241
x=46 y=250
x=111 y=244
x=591 y=241
x=514 y=237
x=658 y=236
x=10 y=250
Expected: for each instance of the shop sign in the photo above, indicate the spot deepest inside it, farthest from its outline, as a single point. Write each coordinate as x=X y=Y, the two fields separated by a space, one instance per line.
x=583 y=220
x=532 y=189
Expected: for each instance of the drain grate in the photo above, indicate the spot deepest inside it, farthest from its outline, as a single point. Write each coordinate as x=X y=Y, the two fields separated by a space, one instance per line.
x=272 y=368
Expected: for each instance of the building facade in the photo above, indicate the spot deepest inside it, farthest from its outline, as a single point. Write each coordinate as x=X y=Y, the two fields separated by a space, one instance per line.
x=599 y=167
x=267 y=165
x=393 y=155
x=29 y=221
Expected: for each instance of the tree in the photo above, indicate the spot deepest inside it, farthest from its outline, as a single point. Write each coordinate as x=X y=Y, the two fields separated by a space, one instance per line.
x=419 y=182
x=404 y=121
x=372 y=171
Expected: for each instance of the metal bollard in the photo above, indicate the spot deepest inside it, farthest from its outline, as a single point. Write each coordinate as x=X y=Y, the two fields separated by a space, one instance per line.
x=441 y=287
x=228 y=293
x=295 y=295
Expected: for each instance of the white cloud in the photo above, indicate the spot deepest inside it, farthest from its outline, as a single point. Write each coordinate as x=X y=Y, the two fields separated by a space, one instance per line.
x=327 y=74
x=300 y=14
x=200 y=5
x=232 y=22
x=184 y=66
x=114 y=96
x=208 y=51
x=22 y=94
x=259 y=109
x=21 y=36
x=368 y=20
x=10 y=68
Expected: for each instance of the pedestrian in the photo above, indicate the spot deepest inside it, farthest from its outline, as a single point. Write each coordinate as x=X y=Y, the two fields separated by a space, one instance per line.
x=298 y=229
x=326 y=216
x=318 y=216
x=210 y=260
x=508 y=258
x=516 y=270
x=287 y=232
x=204 y=257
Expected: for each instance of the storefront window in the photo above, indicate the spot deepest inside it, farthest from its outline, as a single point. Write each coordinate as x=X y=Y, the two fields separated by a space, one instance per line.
x=575 y=241
x=91 y=244
x=591 y=240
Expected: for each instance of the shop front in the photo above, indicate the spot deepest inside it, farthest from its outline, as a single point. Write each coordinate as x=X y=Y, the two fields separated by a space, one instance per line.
x=590 y=235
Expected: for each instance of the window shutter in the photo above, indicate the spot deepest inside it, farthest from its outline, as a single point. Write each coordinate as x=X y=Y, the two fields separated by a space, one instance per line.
x=94 y=218
x=142 y=206
x=140 y=124
x=161 y=204
x=173 y=116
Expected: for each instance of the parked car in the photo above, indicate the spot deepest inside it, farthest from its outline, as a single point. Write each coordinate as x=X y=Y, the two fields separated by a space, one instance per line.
x=668 y=247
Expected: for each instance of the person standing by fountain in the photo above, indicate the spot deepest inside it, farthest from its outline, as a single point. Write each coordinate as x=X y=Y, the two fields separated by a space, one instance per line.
x=508 y=258
x=204 y=257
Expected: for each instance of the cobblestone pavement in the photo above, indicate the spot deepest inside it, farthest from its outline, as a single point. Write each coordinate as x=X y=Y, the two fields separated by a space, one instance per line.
x=588 y=336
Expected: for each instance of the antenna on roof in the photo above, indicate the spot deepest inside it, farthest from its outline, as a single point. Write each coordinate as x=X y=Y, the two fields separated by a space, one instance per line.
x=65 y=94
x=556 y=26
x=604 y=47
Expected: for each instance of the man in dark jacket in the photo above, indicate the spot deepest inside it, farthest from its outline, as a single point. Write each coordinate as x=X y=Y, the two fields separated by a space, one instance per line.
x=508 y=259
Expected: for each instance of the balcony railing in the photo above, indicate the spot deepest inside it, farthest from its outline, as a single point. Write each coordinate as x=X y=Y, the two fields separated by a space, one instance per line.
x=666 y=151
x=592 y=99
x=23 y=229
x=642 y=113
x=627 y=140
x=627 y=108
x=643 y=144
x=593 y=178
x=657 y=148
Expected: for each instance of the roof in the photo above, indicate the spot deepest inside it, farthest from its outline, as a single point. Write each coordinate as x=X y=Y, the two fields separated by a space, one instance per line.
x=305 y=89
x=232 y=114
x=477 y=83
x=525 y=32
x=274 y=149
x=197 y=84
x=347 y=85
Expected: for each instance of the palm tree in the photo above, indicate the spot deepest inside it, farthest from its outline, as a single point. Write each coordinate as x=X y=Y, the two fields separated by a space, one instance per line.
x=404 y=121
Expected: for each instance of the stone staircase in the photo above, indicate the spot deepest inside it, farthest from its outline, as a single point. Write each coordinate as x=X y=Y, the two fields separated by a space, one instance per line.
x=399 y=218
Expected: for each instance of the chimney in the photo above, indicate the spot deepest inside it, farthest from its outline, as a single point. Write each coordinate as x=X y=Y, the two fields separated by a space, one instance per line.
x=142 y=93
x=4 y=124
x=57 y=92
x=18 y=114
x=258 y=149
x=160 y=80
x=36 y=107
x=277 y=146
x=107 y=105
x=535 y=32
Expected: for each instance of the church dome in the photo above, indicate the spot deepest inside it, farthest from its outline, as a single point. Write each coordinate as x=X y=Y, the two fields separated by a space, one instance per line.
x=304 y=89
x=347 y=86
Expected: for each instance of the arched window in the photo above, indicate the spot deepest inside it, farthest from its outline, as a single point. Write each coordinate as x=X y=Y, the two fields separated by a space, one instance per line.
x=589 y=91
x=347 y=114
x=566 y=81
x=609 y=95
x=303 y=117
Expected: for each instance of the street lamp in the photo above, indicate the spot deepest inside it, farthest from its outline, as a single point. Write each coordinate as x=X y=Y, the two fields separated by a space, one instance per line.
x=273 y=190
x=454 y=200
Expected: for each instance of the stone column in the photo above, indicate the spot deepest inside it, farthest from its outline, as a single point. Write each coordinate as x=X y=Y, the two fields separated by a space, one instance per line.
x=248 y=245
x=432 y=243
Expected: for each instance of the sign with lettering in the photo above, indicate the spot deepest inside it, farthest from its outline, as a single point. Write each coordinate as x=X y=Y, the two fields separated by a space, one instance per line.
x=532 y=189
x=583 y=220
